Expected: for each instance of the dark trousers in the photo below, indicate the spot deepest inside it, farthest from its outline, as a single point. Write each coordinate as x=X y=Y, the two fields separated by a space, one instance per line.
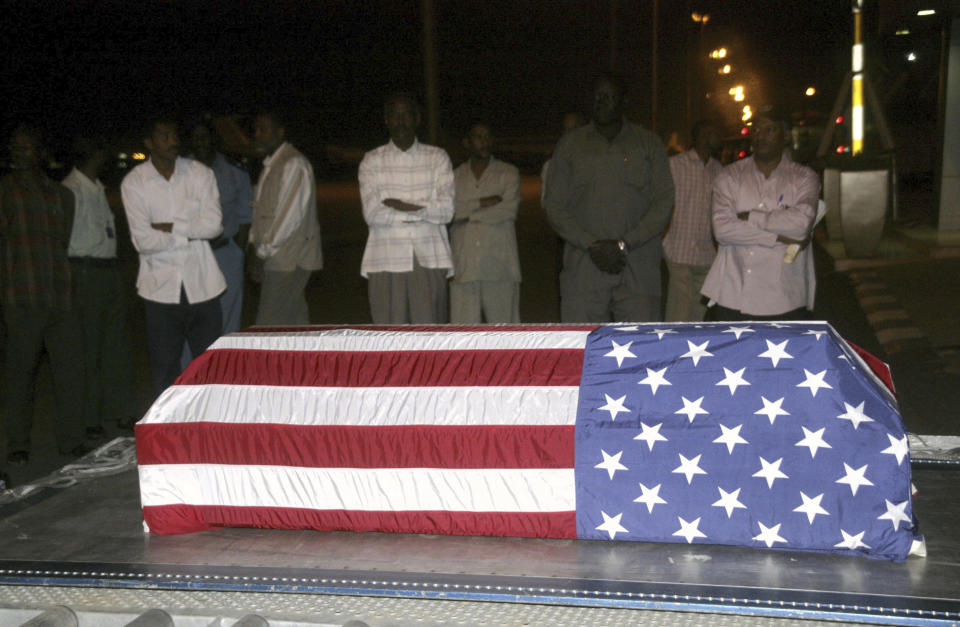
x=29 y=331
x=719 y=313
x=169 y=325
x=101 y=301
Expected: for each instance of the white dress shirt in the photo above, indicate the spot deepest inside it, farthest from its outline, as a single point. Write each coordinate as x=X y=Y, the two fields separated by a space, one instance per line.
x=190 y=201
x=421 y=175
x=749 y=273
x=94 y=233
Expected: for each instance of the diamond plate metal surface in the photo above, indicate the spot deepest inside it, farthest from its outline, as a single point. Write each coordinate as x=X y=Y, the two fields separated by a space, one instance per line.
x=106 y=607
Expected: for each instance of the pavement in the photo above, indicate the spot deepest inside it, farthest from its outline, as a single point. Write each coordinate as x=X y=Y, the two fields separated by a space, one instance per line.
x=902 y=304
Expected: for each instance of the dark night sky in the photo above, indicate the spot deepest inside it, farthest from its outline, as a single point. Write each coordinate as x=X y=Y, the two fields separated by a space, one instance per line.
x=110 y=64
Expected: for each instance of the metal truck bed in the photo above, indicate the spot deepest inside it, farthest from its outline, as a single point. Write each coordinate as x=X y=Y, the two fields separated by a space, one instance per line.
x=90 y=536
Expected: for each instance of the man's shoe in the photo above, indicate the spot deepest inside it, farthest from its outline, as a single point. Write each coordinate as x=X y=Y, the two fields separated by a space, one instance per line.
x=18 y=458
x=77 y=451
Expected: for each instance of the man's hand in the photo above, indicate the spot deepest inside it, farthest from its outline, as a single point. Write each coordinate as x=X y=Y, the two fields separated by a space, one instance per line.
x=489 y=201
x=802 y=243
x=166 y=227
x=400 y=205
x=606 y=255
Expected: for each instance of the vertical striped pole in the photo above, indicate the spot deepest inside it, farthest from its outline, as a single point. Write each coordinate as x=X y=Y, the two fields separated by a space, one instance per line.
x=857 y=87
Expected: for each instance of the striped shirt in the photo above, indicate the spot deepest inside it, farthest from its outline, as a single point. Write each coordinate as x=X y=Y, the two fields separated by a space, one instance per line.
x=421 y=175
x=35 y=221
x=749 y=273
x=689 y=239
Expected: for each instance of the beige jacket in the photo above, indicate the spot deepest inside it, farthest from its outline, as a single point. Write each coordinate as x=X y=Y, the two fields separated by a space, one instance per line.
x=285 y=228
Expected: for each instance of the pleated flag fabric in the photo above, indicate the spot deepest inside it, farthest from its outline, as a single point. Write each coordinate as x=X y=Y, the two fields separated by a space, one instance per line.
x=534 y=431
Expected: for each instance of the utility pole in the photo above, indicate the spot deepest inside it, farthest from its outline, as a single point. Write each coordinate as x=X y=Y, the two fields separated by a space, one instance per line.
x=654 y=60
x=430 y=70
x=613 y=35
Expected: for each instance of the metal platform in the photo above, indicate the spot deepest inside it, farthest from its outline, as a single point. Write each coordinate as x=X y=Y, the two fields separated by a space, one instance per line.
x=90 y=536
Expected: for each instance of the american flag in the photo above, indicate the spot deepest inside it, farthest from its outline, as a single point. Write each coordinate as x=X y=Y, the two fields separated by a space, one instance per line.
x=764 y=435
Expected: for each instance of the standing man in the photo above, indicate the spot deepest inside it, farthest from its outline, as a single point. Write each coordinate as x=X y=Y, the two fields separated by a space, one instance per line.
x=688 y=247
x=36 y=216
x=486 y=286
x=761 y=205
x=233 y=185
x=407 y=192
x=286 y=232
x=609 y=194
x=173 y=210
x=99 y=295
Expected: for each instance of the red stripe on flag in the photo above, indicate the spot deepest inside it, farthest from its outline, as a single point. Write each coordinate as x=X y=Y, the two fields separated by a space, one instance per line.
x=543 y=367
x=170 y=519
x=356 y=447
x=443 y=328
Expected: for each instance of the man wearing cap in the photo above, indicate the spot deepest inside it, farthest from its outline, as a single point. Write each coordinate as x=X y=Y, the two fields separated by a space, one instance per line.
x=761 y=205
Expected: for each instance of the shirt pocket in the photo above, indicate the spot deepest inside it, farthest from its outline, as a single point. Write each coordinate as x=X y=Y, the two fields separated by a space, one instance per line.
x=190 y=208
x=635 y=173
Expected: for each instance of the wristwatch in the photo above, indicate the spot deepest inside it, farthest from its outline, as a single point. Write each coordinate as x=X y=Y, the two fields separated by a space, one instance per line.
x=622 y=245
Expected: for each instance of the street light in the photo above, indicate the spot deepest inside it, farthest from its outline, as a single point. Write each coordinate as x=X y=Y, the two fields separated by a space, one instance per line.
x=811 y=91
x=724 y=70
x=925 y=12
x=719 y=53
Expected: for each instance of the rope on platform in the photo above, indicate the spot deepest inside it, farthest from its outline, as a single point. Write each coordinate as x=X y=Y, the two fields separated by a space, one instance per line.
x=114 y=457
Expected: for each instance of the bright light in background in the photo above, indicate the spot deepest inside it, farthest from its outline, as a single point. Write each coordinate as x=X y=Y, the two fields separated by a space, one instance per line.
x=700 y=18
x=911 y=56
x=902 y=31
x=138 y=156
x=719 y=53
x=811 y=91
x=923 y=12
x=747 y=113
x=725 y=69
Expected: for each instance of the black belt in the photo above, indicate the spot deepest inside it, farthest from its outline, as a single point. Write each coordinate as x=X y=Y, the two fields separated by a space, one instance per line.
x=94 y=262
x=220 y=242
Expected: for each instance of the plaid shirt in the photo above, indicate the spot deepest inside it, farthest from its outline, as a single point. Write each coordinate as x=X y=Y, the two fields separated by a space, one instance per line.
x=689 y=239
x=421 y=175
x=36 y=215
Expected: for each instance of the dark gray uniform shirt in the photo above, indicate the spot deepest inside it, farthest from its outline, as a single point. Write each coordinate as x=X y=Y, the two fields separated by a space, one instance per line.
x=621 y=190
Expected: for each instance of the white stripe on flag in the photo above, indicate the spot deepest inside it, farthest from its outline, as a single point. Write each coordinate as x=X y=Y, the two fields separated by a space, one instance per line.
x=382 y=489
x=359 y=340
x=396 y=406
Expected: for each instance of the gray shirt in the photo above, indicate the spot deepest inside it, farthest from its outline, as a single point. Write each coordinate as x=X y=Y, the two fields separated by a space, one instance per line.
x=599 y=189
